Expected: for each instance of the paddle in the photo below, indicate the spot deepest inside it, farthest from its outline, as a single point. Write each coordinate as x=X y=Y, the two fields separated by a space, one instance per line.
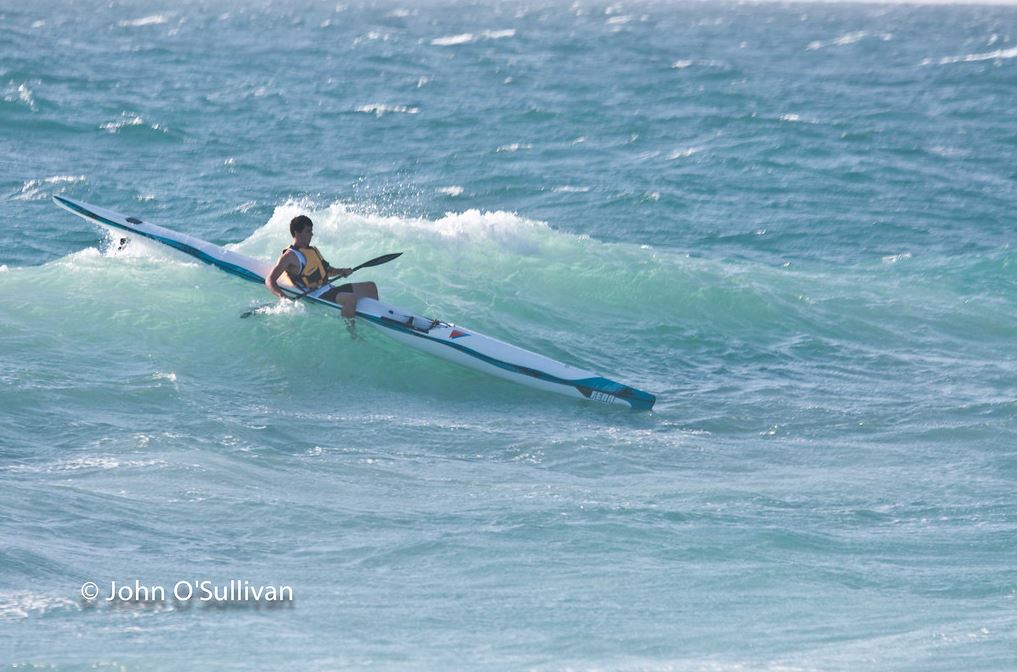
x=377 y=261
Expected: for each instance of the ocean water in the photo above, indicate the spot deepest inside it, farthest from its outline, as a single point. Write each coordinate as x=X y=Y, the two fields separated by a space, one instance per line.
x=790 y=222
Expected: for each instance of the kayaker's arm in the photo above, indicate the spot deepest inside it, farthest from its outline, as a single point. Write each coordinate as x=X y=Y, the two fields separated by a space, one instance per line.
x=286 y=261
x=334 y=272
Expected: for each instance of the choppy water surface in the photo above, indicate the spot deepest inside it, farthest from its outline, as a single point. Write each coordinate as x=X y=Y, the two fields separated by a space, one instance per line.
x=792 y=223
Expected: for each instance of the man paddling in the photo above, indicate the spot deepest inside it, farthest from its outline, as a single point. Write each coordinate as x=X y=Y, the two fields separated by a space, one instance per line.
x=308 y=270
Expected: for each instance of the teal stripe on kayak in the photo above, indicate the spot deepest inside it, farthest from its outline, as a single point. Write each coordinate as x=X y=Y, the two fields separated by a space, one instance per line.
x=637 y=399
x=232 y=269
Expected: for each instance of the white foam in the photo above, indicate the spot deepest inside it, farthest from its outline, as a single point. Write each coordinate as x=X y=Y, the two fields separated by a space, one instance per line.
x=682 y=153
x=358 y=230
x=454 y=190
x=36 y=189
x=370 y=36
x=21 y=94
x=159 y=375
x=849 y=38
x=17 y=606
x=999 y=54
x=514 y=147
x=99 y=462
x=25 y=95
x=128 y=119
x=153 y=20
x=380 y=110
x=453 y=40
x=895 y=258
x=570 y=189
x=282 y=308
x=114 y=126
x=684 y=63
x=466 y=38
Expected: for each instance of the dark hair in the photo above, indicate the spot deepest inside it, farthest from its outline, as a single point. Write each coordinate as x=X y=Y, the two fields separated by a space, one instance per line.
x=299 y=223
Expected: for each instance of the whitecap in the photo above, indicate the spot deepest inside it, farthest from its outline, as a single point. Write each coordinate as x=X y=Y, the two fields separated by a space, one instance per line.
x=36 y=189
x=466 y=38
x=790 y=117
x=153 y=20
x=21 y=94
x=682 y=153
x=454 y=190
x=380 y=110
x=126 y=120
x=159 y=375
x=895 y=258
x=114 y=126
x=370 y=36
x=452 y=40
x=999 y=54
x=847 y=39
x=103 y=462
x=683 y=63
x=514 y=147
x=570 y=189
x=16 y=606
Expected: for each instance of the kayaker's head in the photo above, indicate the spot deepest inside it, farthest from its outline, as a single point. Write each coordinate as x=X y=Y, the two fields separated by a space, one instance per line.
x=301 y=228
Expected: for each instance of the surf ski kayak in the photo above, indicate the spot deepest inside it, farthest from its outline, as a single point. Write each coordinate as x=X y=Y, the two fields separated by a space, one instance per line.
x=454 y=343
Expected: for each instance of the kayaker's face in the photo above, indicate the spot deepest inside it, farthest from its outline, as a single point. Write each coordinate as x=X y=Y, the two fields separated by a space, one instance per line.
x=303 y=238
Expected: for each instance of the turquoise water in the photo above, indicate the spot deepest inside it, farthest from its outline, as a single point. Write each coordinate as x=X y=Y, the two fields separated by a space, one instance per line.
x=792 y=223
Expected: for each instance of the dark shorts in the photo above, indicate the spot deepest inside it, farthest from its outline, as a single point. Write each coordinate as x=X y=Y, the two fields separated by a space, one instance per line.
x=331 y=294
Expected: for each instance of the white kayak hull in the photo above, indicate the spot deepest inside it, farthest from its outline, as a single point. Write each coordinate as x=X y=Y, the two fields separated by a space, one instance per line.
x=448 y=341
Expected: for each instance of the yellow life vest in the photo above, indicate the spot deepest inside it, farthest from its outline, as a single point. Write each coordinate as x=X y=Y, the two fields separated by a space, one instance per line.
x=312 y=267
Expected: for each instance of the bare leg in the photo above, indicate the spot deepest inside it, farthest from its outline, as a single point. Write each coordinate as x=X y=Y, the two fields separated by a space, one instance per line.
x=348 y=300
x=349 y=303
x=365 y=289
